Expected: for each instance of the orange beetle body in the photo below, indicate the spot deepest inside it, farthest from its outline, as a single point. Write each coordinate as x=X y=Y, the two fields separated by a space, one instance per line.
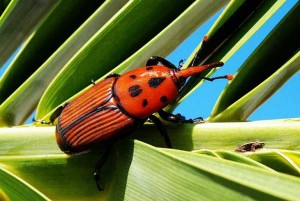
x=117 y=105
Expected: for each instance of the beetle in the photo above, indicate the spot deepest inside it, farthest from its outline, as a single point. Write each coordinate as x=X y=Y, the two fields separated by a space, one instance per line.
x=118 y=105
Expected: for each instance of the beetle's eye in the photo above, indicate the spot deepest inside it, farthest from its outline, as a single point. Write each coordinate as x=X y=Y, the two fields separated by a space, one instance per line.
x=182 y=80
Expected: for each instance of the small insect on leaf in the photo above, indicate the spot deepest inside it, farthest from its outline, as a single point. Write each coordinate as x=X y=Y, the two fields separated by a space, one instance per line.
x=250 y=146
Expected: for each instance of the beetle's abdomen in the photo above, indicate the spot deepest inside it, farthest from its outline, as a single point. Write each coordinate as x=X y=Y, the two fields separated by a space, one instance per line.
x=92 y=118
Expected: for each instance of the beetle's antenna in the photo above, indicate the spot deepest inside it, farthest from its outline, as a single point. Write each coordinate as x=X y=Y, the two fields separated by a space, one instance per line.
x=228 y=77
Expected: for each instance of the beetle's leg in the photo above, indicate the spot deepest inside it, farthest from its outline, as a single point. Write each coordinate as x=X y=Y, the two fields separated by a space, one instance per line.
x=112 y=75
x=57 y=112
x=216 y=78
x=161 y=129
x=175 y=118
x=180 y=64
x=41 y=121
x=99 y=166
x=156 y=60
x=93 y=82
x=53 y=116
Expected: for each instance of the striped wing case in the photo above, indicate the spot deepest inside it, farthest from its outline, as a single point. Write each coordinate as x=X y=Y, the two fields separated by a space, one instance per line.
x=91 y=119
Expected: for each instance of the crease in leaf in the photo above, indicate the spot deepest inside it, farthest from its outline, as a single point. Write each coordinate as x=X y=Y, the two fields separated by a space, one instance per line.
x=289 y=161
x=284 y=161
x=232 y=156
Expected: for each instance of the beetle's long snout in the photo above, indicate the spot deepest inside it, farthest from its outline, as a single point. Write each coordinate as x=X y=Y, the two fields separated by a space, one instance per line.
x=193 y=70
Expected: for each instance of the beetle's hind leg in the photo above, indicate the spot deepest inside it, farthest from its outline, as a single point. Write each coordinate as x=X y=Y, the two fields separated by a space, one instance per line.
x=176 y=118
x=99 y=166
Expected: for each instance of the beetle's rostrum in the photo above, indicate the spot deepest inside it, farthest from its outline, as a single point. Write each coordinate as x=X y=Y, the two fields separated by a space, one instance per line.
x=117 y=105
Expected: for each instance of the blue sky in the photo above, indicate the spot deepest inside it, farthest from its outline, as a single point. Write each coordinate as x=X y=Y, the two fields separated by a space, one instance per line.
x=201 y=102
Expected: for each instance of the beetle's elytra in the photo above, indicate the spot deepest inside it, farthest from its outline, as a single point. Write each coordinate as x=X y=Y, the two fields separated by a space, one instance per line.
x=92 y=118
x=117 y=105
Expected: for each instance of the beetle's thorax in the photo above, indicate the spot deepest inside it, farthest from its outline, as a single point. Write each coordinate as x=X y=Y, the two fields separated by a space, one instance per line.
x=146 y=90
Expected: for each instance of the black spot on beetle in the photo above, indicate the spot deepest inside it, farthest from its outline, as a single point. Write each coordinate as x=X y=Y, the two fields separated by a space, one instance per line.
x=133 y=88
x=149 y=68
x=145 y=102
x=156 y=81
x=136 y=93
x=133 y=76
x=163 y=99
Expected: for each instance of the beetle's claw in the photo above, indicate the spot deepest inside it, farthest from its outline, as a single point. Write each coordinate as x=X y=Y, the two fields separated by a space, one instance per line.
x=98 y=180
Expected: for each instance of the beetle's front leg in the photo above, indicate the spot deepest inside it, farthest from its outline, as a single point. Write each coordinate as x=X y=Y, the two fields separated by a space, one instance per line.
x=176 y=118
